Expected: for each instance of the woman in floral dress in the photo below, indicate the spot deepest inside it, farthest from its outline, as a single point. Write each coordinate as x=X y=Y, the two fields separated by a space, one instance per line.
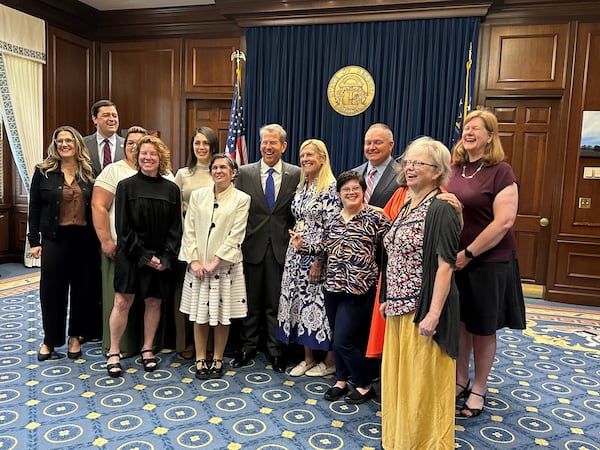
x=301 y=316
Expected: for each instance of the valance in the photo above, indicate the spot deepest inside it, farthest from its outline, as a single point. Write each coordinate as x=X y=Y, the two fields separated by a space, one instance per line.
x=22 y=35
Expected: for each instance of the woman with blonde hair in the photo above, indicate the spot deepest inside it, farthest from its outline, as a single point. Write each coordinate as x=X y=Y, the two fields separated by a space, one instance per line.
x=301 y=316
x=60 y=224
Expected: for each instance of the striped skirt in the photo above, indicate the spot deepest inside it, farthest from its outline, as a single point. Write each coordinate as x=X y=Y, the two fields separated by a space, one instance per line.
x=216 y=299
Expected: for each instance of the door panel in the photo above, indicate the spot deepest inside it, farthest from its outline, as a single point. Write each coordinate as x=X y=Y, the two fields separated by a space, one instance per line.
x=528 y=134
x=207 y=113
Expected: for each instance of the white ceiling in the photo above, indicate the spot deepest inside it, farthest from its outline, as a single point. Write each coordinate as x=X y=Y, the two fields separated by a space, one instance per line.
x=108 y=5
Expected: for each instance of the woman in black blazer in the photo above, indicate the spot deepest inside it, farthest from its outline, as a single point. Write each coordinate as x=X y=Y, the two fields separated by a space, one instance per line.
x=62 y=234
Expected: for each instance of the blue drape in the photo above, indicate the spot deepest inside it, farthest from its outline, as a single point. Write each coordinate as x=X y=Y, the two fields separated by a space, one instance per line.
x=418 y=67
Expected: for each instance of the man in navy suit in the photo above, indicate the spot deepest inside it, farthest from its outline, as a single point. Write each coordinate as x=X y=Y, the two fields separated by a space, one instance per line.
x=106 y=120
x=378 y=145
x=272 y=184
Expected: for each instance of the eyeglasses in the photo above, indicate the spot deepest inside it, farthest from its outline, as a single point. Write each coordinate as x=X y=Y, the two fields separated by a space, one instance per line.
x=130 y=143
x=67 y=141
x=415 y=164
x=348 y=190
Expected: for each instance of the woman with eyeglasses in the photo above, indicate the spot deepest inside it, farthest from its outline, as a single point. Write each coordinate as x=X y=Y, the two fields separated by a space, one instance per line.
x=420 y=305
x=214 y=288
x=62 y=234
x=350 y=254
x=487 y=274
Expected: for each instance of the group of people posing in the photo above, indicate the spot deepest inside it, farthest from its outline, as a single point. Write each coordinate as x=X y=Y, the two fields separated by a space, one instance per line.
x=410 y=261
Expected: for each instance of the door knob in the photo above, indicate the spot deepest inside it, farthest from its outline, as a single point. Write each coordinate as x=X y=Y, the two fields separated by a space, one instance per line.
x=544 y=222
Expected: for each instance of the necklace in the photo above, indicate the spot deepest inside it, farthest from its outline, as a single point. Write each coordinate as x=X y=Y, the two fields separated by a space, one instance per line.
x=408 y=208
x=468 y=177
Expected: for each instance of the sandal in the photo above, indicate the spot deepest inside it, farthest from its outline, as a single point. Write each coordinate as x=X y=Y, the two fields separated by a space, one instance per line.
x=202 y=372
x=114 y=369
x=473 y=412
x=149 y=364
x=464 y=394
x=216 y=372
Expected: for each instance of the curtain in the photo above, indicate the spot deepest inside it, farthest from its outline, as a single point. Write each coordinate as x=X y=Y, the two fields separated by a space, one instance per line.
x=417 y=66
x=22 y=53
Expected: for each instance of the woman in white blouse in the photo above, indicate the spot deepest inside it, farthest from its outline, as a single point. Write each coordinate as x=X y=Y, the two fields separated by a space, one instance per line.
x=214 y=290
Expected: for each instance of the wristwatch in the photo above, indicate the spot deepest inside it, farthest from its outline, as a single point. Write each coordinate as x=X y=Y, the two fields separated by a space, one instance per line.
x=468 y=254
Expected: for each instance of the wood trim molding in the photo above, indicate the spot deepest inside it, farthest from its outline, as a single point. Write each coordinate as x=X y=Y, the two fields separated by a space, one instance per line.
x=350 y=11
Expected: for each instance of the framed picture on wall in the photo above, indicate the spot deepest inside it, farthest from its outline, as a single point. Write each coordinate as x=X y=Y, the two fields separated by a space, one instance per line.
x=590 y=135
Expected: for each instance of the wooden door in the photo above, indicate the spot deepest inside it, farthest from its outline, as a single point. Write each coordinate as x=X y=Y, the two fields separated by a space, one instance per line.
x=207 y=113
x=528 y=131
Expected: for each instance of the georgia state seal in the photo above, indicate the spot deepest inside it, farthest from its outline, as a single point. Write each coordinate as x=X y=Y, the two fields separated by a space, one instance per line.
x=351 y=90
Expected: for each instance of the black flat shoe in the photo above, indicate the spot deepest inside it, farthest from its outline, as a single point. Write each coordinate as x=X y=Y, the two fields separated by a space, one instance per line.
x=278 y=364
x=242 y=359
x=150 y=364
x=214 y=371
x=356 y=398
x=114 y=370
x=74 y=355
x=45 y=356
x=334 y=393
x=202 y=372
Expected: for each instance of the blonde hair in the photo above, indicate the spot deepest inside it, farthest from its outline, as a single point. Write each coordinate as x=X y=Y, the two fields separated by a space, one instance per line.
x=164 y=155
x=325 y=177
x=493 y=153
x=52 y=162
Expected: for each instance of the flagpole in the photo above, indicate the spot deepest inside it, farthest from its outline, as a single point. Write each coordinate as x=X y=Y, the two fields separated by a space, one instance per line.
x=238 y=55
x=236 y=140
x=466 y=103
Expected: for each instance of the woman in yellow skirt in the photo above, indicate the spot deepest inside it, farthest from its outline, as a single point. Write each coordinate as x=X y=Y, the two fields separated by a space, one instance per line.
x=420 y=304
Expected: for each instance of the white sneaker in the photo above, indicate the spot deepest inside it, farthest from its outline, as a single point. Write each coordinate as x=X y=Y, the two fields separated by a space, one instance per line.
x=320 y=370
x=301 y=368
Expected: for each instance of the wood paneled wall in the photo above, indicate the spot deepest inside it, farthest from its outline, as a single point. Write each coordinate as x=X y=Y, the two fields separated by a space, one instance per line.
x=539 y=95
x=144 y=80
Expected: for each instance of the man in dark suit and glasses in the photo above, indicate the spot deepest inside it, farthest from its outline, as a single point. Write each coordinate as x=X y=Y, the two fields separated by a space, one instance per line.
x=105 y=145
x=272 y=184
x=380 y=167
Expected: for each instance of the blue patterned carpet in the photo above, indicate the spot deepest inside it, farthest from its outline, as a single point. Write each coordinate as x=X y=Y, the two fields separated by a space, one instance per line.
x=544 y=391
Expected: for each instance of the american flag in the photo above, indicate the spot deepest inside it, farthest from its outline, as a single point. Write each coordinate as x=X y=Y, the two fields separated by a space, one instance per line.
x=236 y=136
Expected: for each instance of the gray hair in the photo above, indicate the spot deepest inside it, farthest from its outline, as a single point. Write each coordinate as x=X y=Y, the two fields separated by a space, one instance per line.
x=438 y=152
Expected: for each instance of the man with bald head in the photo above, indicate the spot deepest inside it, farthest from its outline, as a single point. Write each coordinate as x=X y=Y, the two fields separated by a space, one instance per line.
x=380 y=169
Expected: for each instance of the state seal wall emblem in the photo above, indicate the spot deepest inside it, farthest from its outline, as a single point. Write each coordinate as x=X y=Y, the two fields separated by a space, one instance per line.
x=351 y=90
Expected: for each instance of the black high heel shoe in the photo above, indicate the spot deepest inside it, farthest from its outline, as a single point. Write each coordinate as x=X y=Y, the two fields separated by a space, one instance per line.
x=114 y=369
x=473 y=412
x=150 y=364
x=464 y=394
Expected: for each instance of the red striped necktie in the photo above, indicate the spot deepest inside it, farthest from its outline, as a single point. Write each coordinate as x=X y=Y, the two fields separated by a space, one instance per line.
x=107 y=156
x=370 y=183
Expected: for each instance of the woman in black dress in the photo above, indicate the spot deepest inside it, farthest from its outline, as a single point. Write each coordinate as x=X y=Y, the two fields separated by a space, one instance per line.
x=148 y=222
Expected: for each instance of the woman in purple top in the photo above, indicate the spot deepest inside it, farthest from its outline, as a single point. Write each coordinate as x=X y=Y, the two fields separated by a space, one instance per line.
x=487 y=274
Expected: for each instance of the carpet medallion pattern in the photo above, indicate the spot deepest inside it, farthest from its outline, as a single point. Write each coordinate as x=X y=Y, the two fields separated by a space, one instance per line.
x=543 y=391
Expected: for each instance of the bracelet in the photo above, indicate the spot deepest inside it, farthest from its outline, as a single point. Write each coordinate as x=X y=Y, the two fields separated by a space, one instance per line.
x=468 y=254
